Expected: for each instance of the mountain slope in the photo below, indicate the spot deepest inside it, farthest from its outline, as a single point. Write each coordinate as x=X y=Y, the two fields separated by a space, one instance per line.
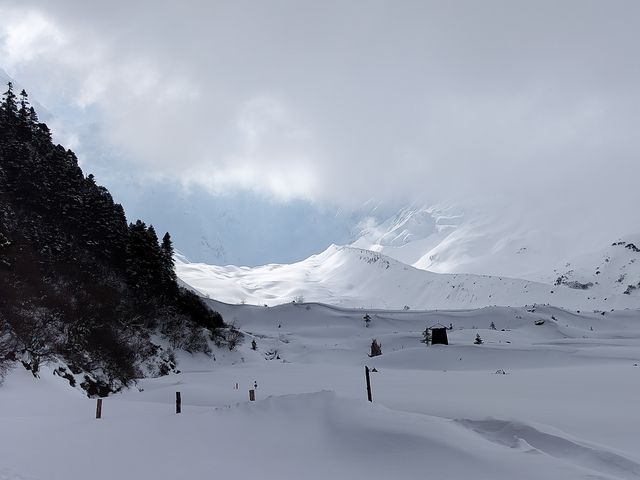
x=410 y=234
x=452 y=239
x=613 y=269
x=352 y=277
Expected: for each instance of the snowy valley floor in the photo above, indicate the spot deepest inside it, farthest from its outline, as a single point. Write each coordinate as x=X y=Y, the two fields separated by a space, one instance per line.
x=568 y=406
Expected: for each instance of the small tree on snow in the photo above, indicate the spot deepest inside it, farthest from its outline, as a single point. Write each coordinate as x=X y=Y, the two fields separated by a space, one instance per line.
x=254 y=344
x=492 y=326
x=426 y=336
x=478 y=340
x=367 y=319
x=376 y=348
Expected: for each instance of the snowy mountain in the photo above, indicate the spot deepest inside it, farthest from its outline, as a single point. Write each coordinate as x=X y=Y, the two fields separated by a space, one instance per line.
x=452 y=239
x=353 y=277
x=449 y=239
x=614 y=269
x=410 y=235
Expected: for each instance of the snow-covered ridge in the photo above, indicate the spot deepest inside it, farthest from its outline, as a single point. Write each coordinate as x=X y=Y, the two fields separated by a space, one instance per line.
x=358 y=278
x=450 y=239
x=409 y=235
x=614 y=269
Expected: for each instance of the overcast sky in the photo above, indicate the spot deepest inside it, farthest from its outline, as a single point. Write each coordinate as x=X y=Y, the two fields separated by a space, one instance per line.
x=531 y=105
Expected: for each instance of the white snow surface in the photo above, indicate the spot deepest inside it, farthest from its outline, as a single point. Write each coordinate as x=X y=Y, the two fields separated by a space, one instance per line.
x=565 y=408
x=613 y=269
x=451 y=239
x=448 y=238
x=358 y=278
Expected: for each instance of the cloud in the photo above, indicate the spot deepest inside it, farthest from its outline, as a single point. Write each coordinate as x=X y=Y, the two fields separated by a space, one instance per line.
x=531 y=106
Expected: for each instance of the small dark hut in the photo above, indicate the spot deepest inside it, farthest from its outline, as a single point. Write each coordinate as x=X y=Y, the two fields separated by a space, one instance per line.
x=439 y=335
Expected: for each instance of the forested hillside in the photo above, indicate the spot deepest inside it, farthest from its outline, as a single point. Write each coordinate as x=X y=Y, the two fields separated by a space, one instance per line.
x=77 y=283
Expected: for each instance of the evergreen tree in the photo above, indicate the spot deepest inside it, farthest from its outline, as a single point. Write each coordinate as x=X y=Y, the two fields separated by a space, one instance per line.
x=143 y=258
x=426 y=336
x=9 y=105
x=478 y=340
x=24 y=110
x=33 y=116
x=169 y=277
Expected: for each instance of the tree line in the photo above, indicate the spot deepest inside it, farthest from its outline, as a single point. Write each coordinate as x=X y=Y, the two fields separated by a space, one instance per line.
x=77 y=282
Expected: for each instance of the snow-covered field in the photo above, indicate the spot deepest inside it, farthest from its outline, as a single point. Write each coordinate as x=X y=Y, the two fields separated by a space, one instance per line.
x=566 y=408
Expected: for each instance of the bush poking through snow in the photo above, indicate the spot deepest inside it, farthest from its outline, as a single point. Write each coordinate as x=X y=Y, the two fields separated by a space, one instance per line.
x=376 y=348
x=478 y=340
x=272 y=355
x=7 y=352
x=426 y=336
x=234 y=338
x=62 y=372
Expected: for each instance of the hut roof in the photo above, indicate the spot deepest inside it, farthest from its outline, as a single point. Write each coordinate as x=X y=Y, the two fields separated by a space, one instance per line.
x=437 y=325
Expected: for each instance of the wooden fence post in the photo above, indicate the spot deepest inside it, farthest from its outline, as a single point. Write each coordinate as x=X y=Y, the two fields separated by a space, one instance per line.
x=178 y=403
x=366 y=374
x=99 y=408
x=252 y=395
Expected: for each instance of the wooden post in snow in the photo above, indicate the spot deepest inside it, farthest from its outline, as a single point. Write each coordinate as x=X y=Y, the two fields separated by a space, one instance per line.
x=366 y=374
x=178 y=403
x=99 y=408
x=252 y=395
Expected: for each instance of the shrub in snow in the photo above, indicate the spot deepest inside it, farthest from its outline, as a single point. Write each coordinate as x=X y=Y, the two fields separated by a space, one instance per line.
x=367 y=320
x=100 y=388
x=7 y=354
x=62 y=372
x=426 y=336
x=492 y=326
x=272 y=355
x=376 y=348
x=185 y=334
x=233 y=338
x=478 y=340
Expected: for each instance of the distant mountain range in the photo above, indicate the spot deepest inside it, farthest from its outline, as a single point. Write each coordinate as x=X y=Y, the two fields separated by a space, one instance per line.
x=358 y=278
x=453 y=239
